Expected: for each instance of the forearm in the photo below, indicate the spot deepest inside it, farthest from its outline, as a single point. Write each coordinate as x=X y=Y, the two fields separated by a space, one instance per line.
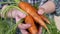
x=48 y=7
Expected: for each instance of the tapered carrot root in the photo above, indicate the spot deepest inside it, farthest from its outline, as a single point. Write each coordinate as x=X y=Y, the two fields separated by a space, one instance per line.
x=32 y=29
x=45 y=19
x=32 y=11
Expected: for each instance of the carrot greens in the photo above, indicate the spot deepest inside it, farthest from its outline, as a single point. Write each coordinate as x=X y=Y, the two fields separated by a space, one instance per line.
x=7 y=28
x=52 y=27
x=7 y=25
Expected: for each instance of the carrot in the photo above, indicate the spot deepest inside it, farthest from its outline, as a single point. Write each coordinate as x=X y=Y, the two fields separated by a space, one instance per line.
x=32 y=11
x=32 y=29
x=45 y=19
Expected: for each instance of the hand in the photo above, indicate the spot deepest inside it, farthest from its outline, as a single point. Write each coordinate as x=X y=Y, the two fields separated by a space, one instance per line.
x=12 y=13
x=18 y=15
x=23 y=27
x=48 y=7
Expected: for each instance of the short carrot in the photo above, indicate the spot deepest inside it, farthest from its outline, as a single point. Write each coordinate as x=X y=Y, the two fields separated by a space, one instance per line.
x=33 y=12
x=32 y=29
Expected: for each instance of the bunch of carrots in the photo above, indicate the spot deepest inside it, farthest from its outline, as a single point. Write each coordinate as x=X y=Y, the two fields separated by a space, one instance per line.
x=33 y=16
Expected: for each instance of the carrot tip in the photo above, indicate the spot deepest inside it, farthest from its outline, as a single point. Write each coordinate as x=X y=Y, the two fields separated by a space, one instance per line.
x=48 y=22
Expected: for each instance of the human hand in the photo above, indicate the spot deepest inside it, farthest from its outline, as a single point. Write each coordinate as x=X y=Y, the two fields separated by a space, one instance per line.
x=48 y=7
x=19 y=15
x=23 y=27
x=12 y=13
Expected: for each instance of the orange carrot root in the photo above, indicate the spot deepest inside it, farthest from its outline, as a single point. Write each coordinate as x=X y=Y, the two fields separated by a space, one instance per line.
x=33 y=12
x=45 y=19
x=32 y=29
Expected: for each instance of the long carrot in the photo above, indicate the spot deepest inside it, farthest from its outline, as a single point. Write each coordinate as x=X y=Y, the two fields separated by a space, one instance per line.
x=32 y=29
x=45 y=19
x=32 y=11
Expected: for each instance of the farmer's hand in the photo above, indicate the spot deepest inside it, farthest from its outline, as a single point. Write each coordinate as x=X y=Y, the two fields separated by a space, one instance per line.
x=23 y=27
x=12 y=13
x=48 y=7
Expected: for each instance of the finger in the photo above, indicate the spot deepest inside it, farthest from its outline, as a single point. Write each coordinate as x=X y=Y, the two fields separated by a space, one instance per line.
x=40 y=12
x=24 y=26
x=40 y=30
x=23 y=31
x=22 y=15
x=17 y=18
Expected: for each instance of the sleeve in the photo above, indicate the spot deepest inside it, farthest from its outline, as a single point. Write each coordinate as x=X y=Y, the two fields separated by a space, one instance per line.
x=57 y=12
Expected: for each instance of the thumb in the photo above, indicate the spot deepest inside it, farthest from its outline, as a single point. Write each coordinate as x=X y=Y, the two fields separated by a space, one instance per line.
x=17 y=19
x=22 y=15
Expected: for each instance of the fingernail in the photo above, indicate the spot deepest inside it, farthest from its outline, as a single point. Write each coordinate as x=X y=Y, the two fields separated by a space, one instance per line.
x=40 y=12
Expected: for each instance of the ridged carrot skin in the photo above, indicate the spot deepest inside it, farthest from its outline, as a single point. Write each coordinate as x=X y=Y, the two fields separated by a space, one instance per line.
x=32 y=29
x=33 y=12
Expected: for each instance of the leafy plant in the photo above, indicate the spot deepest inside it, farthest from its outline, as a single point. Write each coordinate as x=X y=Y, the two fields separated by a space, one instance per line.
x=6 y=27
x=52 y=27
